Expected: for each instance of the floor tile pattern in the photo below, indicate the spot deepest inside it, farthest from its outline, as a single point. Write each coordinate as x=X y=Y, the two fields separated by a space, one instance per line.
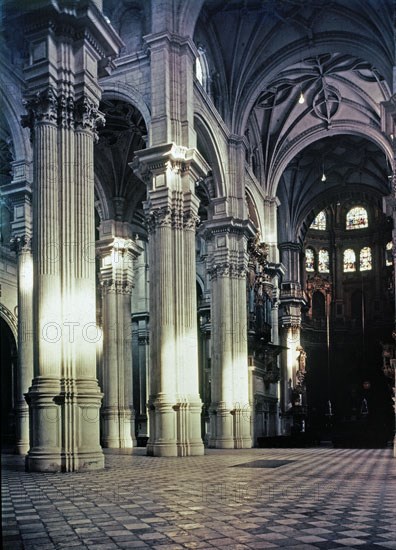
x=323 y=498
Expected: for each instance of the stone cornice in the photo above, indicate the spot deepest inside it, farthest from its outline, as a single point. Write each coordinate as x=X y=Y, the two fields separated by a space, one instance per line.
x=80 y=19
x=157 y=40
x=229 y=225
x=155 y=160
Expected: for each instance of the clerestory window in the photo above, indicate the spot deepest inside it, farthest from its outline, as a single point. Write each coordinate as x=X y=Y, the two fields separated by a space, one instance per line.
x=357 y=218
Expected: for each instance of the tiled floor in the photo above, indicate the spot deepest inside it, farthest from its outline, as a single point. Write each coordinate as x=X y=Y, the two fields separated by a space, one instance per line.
x=312 y=498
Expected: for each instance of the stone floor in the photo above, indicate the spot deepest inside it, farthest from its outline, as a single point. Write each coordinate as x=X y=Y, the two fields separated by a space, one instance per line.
x=261 y=498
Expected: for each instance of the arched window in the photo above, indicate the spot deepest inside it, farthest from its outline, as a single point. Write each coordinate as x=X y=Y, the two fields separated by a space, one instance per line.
x=388 y=254
x=309 y=260
x=365 y=259
x=357 y=218
x=198 y=70
x=318 y=305
x=349 y=260
x=202 y=69
x=319 y=222
x=324 y=261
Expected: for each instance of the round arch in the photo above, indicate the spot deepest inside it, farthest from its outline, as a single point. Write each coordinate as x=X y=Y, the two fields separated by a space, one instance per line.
x=213 y=151
x=189 y=13
x=317 y=133
x=125 y=92
x=254 y=198
x=11 y=321
x=20 y=136
x=104 y=204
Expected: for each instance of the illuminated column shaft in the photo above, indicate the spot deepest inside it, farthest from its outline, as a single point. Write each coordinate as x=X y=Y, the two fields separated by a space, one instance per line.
x=24 y=377
x=189 y=438
x=174 y=404
x=230 y=408
x=85 y=407
x=116 y=277
x=45 y=411
x=222 y=394
x=118 y=413
x=163 y=374
x=62 y=112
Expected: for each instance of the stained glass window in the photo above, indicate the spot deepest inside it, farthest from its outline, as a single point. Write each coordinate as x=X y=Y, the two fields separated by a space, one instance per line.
x=309 y=260
x=365 y=259
x=349 y=260
x=357 y=218
x=388 y=257
x=324 y=261
x=319 y=222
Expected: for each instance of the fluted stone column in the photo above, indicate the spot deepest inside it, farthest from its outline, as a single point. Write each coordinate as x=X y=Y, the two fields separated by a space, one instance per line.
x=62 y=113
x=43 y=396
x=22 y=246
x=117 y=251
x=174 y=405
x=230 y=411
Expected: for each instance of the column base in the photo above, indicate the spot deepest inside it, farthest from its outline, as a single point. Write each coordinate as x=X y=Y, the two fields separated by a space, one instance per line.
x=21 y=448
x=22 y=427
x=230 y=429
x=118 y=428
x=175 y=427
x=64 y=419
x=37 y=461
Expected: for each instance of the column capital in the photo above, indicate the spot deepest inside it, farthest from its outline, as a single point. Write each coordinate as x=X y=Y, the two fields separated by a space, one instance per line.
x=42 y=107
x=178 y=215
x=117 y=250
x=232 y=270
x=227 y=247
x=157 y=167
x=21 y=244
x=87 y=116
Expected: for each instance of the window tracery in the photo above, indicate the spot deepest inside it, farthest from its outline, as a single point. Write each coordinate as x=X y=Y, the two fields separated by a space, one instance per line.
x=202 y=69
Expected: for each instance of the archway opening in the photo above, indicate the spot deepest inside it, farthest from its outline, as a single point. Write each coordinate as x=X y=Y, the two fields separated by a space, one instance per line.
x=8 y=370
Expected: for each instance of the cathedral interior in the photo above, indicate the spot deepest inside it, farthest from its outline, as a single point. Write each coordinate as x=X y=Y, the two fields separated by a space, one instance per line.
x=198 y=229
x=212 y=226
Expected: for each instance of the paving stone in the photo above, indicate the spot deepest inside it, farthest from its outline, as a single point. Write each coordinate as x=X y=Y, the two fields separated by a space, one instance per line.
x=323 y=498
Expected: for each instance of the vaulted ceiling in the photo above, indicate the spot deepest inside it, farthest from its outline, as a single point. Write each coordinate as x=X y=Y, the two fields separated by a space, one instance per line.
x=338 y=57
